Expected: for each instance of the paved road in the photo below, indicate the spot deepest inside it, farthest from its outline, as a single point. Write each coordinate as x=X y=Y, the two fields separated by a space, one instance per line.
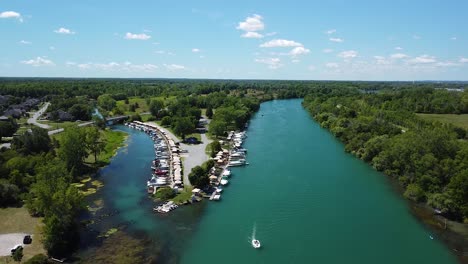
x=36 y=115
x=7 y=241
x=196 y=153
x=56 y=131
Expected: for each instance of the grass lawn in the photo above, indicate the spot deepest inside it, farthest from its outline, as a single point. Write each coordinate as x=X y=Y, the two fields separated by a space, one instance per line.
x=183 y=195
x=18 y=220
x=457 y=120
x=114 y=140
x=56 y=125
x=142 y=106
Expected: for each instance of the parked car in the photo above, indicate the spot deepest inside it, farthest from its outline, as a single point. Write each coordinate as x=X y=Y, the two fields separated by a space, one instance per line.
x=15 y=248
x=27 y=239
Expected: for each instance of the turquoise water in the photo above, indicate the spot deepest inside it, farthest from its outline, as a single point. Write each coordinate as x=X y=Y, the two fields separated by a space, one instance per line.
x=310 y=202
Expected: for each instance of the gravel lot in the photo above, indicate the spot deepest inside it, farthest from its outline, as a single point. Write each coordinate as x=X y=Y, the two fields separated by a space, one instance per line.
x=7 y=241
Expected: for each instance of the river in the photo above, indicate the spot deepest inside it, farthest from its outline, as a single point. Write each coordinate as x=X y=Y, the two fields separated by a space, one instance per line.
x=309 y=200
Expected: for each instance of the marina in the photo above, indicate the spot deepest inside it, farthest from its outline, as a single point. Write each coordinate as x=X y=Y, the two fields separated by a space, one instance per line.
x=166 y=167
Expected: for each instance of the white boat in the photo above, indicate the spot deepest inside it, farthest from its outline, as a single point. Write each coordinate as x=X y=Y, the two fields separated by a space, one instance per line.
x=227 y=173
x=255 y=243
x=224 y=182
x=235 y=163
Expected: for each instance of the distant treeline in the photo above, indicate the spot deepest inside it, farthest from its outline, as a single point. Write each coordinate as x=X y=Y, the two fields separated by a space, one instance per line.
x=430 y=160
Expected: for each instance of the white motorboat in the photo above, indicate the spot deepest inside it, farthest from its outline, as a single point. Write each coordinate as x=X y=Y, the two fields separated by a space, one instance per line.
x=255 y=243
x=224 y=182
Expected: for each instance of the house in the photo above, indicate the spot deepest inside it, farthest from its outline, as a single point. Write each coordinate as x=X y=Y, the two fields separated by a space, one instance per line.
x=15 y=113
x=64 y=116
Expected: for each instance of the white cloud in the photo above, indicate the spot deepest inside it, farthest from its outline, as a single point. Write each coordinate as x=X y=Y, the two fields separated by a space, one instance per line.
x=147 y=30
x=398 y=48
x=398 y=56
x=295 y=61
x=447 y=64
x=195 y=50
x=24 y=42
x=11 y=14
x=331 y=65
x=336 y=40
x=273 y=63
x=423 y=59
x=70 y=63
x=251 y=34
x=270 y=34
x=380 y=60
x=327 y=51
x=52 y=48
x=348 y=54
x=330 y=31
x=202 y=57
x=65 y=31
x=115 y=66
x=253 y=23
x=163 y=52
x=39 y=61
x=280 y=43
x=416 y=37
x=311 y=68
x=298 y=51
x=174 y=67
x=453 y=38
x=463 y=60
x=141 y=36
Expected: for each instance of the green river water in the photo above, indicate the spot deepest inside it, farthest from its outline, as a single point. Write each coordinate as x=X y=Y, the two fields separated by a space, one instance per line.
x=309 y=200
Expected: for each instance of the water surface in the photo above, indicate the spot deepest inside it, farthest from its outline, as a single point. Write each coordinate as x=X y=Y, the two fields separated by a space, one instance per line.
x=310 y=201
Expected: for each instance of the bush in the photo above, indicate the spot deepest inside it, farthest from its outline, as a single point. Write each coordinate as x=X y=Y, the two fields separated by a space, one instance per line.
x=18 y=254
x=165 y=193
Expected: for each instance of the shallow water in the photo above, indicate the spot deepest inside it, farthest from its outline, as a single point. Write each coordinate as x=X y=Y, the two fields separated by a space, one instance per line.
x=310 y=202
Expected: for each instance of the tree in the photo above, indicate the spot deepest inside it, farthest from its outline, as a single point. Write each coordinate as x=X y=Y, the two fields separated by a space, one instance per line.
x=215 y=148
x=209 y=112
x=80 y=112
x=9 y=194
x=106 y=102
x=73 y=149
x=217 y=127
x=35 y=141
x=183 y=126
x=60 y=203
x=8 y=128
x=199 y=177
x=93 y=140
x=166 y=121
x=156 y=106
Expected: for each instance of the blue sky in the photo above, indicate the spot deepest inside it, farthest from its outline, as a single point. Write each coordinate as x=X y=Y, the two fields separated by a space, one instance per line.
x=339 y=40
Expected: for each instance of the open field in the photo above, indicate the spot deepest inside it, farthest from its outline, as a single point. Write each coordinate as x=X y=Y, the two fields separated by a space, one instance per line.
x=143 y=107
x=457 y=120
x=18 y=220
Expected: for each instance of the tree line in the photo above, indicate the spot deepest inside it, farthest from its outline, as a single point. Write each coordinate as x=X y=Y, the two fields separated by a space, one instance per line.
x=429 y=159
